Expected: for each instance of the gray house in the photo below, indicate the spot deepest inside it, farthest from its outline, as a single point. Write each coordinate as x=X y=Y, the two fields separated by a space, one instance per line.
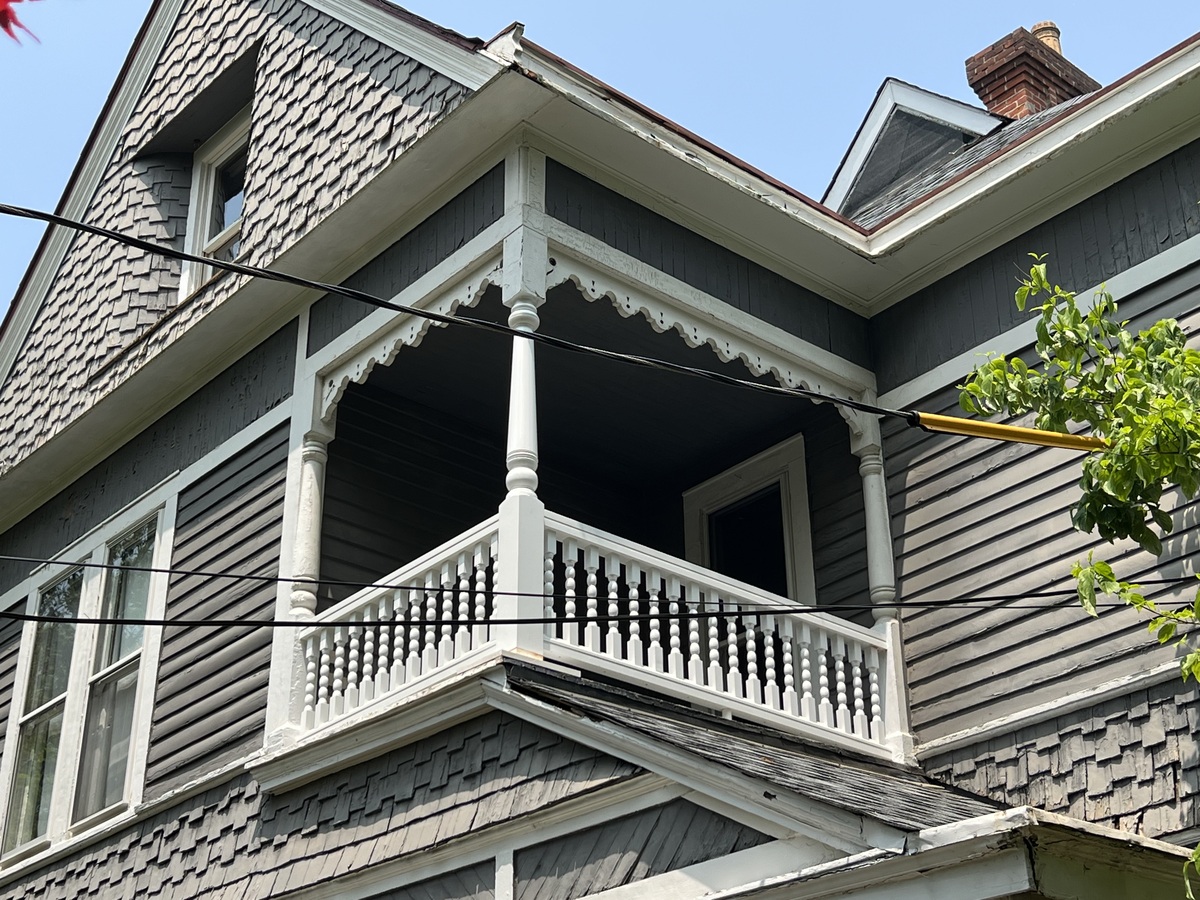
x=312 y=597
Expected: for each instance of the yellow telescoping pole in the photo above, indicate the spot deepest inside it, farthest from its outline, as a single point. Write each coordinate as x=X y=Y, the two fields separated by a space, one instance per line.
x=973 y=428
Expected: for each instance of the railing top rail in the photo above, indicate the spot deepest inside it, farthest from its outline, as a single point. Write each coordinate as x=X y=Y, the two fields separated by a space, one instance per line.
x=648 y=557
x=401 y=576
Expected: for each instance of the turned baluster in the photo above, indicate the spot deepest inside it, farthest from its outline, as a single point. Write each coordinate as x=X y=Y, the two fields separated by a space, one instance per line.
x=479 y=628
x=429 y=652
x=791 y=701
x=826 y=707
x=612 y=642
x=734 y=680
x=416 y=604
x=842 y=682
x=633 y=579
x=675 y=659
x=875 y=694
x=591 y=631
x=353 y=664
x=366 y=686
x=716 y=675
x=570 y=630
x=337 y=697
x=325 y=671
x=446 y=644
x=549 y=628
x=695 y=658
x=753 y=682
x=383 y=653
x=462 y=632
x=860 y=722
x=654 y=656
x=808 y=702
x=308 y=718
x=770 y=676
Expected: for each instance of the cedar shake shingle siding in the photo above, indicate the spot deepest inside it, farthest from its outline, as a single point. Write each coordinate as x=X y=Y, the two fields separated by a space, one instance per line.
x=329 y=103
x=235 y=841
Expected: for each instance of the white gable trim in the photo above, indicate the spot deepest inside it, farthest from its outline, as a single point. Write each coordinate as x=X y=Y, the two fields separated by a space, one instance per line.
x=895 y=95
x=470 y=69
x=29 y=303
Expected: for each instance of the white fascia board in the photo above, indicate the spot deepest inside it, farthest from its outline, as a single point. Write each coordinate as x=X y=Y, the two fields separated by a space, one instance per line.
x=898 y=95
x=467 y=68
x=28 y=304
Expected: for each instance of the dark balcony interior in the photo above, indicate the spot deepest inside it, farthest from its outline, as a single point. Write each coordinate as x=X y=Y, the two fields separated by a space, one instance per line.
x=418 y=455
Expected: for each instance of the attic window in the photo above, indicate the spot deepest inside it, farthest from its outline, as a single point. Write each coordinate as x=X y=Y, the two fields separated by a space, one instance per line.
x=218 y=198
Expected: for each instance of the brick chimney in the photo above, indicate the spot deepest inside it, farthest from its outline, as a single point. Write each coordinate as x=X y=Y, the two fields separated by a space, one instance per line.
x=1020 y=74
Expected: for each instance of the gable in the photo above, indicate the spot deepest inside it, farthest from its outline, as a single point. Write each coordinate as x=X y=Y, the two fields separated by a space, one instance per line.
x=332 y=107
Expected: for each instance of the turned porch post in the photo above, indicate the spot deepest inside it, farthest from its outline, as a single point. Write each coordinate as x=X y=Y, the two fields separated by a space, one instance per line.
x=520 y=577
x=867 y=444
x=306 y=557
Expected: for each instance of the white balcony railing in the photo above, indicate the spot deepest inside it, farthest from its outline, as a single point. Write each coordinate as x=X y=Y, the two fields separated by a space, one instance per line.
x=709 y=639
x=355 y=654
x=616 y=608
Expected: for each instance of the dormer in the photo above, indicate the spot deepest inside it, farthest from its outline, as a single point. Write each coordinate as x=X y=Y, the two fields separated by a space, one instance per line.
x=906 y=130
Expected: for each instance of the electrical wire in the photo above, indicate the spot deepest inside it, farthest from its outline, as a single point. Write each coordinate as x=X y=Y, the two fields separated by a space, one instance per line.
x=744 y=608
x=911 y=418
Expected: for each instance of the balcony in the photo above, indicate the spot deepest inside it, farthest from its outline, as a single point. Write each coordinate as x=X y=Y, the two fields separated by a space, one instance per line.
x=613 y=608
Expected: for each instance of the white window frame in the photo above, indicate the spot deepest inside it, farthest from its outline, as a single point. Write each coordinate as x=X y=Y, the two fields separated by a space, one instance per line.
x=782 y=464
x=223 y=146
x=92 y=548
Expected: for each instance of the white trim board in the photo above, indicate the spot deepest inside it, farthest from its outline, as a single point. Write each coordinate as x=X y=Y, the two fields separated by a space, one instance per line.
x=1044 y=712
x=1021 y=336
x=470 y=69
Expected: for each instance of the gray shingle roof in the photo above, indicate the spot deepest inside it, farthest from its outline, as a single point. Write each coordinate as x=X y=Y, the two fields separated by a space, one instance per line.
x=899 y=796
x=906 y=192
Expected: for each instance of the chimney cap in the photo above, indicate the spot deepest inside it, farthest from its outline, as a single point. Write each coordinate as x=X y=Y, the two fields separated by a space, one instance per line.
x=1049 y=34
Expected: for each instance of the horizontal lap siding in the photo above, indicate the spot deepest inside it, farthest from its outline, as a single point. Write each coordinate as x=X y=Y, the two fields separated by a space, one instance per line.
x=977 y=519
x=471 y=883
x=10 y=647
x=836 y=515
x=212 y=682
x=657 y=241
x=252 y=386
x=1128 y=223
x=628 y=850
x=419 y=251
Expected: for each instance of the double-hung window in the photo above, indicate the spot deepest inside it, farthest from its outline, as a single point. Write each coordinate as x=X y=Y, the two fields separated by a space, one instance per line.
x=81 y=688
x=218 y=195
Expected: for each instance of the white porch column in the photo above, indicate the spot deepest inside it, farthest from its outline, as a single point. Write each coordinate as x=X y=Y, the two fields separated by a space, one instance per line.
x=520 y=576
x=306 y=555
x=867 y=444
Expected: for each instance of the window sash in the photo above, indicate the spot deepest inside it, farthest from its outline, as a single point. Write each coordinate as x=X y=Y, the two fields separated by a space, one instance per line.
x=33 y=780
x=108 y=727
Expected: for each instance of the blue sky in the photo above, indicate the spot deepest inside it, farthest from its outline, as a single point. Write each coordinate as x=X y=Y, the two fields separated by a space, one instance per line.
x=781 y=84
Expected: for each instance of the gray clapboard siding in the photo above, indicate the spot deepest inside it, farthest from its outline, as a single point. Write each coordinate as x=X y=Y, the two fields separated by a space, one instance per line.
x=471 y=883
x=233 y=840
x=438 y=236
x=210 y=701
x=973 y=518
x=10 y=651
x=836 y=515
x=628 y=849
x=1123 y=225
x=253 y=385
x=657 y=241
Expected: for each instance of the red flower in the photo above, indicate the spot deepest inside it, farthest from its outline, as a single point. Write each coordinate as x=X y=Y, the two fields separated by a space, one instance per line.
x=9 y=20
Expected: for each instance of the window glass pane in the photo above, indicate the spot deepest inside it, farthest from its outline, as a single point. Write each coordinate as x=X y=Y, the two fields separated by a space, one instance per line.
x=53 y=642
x=229 y=192
x=33 y=780
x=746 y=540
x=126 y=594
x=105 y=756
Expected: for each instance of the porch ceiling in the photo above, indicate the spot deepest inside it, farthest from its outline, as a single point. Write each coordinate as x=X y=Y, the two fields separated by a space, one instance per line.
x=613 y=421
